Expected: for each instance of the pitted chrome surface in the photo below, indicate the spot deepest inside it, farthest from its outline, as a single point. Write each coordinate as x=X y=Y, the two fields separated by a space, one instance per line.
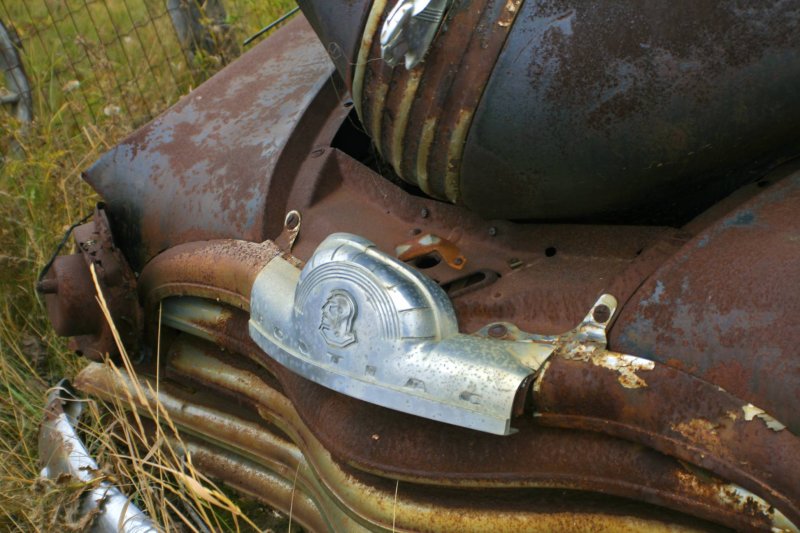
x=362 y=323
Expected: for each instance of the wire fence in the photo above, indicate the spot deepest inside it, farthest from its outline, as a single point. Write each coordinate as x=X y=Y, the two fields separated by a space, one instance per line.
x=70 y=63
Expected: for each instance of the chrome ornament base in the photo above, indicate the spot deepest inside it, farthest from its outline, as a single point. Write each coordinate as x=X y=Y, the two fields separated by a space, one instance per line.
x=364 y=324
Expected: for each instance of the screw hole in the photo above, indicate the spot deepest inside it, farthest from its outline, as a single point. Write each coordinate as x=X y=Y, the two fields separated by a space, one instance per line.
x=427 y=261
x=550 y=251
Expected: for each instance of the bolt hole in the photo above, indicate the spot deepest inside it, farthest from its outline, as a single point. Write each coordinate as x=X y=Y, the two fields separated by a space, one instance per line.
x=416 y=231
x=601 y=314
x=427 y=261
x=550 y=251
x=348 y=104
x=292 y=220
x=498 y=331
x=762 y=184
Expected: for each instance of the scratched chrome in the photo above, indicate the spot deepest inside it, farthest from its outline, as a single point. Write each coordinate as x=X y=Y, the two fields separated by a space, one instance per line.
x=64 y=455
x=410 y=29
x=364 y=324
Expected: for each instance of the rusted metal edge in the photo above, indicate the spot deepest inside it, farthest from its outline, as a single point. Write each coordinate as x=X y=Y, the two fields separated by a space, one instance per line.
x=679 y=488
x=333 y=496
x=371 y=30
x=404 y=110
x=681 y=416
x=62 y=453
x=243 y=345
x=202 y=269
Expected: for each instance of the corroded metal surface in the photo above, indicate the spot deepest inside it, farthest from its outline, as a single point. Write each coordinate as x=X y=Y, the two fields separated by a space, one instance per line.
x=419 y=118
x=706 y=427
x=71 y=294
x=586 y=386
x=339 y=25
x=203 y=169
x=542 y=277
x=287 y=448
x=692 y=422
x=631 y=109
x=201 y=268
x=725 y=307
x=400 y=446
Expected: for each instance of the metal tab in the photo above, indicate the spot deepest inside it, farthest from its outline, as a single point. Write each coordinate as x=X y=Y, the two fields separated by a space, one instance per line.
x=362 y=323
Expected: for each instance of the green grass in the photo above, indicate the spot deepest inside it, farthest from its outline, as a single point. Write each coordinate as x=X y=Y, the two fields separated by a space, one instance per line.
x=95 y=79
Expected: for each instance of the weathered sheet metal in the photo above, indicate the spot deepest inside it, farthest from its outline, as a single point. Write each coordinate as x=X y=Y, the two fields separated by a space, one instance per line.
x=348 y=498
x=586 y=386
x=339 y=25
x=725 y=307
x=542 y=277
x=204 y=169
x=631 y=109
x=419 y=450
x=419 y=118
x=720 y=310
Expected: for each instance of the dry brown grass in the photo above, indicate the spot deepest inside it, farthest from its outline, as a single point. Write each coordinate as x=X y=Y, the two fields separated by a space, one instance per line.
x=41 y=194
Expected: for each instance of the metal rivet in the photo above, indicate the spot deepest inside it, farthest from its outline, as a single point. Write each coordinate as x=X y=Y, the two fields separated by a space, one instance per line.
x=492 y=231
x=424 y=213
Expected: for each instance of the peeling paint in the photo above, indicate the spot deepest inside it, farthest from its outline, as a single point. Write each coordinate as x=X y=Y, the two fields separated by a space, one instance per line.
x=751 y=411
x=625 y=365
x=740 y=498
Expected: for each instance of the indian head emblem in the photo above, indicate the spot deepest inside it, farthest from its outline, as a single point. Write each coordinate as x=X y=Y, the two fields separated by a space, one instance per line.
x=338 y=314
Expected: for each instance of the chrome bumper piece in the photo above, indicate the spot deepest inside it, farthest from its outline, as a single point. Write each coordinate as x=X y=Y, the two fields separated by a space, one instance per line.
x=63 y=454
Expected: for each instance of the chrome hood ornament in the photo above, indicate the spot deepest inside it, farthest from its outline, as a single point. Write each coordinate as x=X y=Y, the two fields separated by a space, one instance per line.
x=410 y=29
x=360 y=322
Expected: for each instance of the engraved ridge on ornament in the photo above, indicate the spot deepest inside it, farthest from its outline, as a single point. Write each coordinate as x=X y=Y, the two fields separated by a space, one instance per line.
x=338 y=314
